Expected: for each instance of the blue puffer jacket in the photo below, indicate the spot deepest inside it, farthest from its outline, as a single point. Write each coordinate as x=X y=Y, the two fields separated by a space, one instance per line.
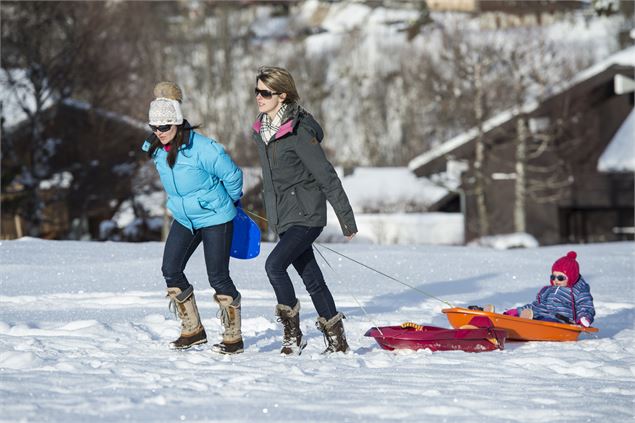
x=575 y=302
x=203 y=184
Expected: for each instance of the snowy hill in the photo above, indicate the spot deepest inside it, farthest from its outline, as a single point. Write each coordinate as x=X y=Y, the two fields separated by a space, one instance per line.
x=84 y=329
x=358 y=71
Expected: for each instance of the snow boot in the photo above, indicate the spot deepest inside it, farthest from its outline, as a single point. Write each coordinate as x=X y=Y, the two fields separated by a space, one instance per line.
x=183 y=304
x=292 y=341
x=333 y=331
x=229 y=314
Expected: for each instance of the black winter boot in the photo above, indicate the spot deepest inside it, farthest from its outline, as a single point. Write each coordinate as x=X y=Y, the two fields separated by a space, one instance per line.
x=292 y=341
x=333 y=331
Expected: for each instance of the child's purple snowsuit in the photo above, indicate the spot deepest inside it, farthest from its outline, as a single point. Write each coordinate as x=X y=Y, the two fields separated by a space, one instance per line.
x=574 y=303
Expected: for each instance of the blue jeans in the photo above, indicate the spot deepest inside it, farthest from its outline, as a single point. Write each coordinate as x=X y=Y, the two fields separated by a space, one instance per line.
x=180 y=245
x=296 y=248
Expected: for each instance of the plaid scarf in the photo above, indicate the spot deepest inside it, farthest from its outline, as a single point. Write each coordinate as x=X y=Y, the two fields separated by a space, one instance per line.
x=269 y=127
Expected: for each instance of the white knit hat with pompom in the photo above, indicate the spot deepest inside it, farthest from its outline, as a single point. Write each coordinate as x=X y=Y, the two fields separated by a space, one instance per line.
x=165 y=111
x=166 y=107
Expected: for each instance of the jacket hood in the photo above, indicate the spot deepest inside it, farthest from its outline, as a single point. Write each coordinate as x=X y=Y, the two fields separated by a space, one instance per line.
x=295 y=117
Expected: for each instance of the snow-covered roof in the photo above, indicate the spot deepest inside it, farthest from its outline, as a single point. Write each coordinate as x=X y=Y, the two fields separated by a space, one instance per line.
x=368 y=187
x=17 y=95
x=461 y=139
x=624 y=57
x=15 y=98
x=619 y=156
x=82 y=105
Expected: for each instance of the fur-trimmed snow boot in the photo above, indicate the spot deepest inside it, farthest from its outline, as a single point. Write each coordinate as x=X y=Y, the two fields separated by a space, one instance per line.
x=183 y=304
x=333 y=331
x=292 y=341
x=229 y=314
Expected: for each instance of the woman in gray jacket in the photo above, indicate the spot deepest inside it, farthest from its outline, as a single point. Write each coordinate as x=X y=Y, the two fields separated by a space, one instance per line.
x=297 y=179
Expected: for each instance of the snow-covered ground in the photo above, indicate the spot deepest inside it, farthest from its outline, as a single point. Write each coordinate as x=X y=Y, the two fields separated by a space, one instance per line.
x=84 y=329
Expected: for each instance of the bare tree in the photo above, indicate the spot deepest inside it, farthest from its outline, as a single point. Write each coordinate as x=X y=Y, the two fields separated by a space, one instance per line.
x=86 y=51
x=41 y=43
x=475 y=77
x=464 y=77
x=537 y=67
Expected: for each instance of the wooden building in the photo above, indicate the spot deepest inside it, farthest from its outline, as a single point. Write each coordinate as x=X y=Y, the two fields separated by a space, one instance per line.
x=506 y=6
x=90 y=156
x=568 y=198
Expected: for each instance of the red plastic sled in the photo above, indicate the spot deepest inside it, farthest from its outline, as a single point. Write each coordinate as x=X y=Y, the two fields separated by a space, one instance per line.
x=479 y=336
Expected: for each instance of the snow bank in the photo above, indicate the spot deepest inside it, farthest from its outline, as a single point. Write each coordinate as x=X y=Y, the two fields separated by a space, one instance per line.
x=402 y=229
x=507 y=241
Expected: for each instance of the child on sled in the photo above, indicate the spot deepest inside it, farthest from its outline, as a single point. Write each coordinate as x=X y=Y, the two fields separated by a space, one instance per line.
x=566 y=300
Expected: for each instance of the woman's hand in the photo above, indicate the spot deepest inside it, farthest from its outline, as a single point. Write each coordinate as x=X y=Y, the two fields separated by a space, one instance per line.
x=349 y=237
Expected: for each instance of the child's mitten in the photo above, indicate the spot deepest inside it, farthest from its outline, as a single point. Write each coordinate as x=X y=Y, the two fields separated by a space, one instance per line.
x=584 y=321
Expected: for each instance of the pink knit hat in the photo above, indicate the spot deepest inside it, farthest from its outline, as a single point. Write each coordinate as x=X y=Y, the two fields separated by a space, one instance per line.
x=569 y=266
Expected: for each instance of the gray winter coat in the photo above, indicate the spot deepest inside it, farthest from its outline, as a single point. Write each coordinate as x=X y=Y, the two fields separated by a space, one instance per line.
x=297 y=176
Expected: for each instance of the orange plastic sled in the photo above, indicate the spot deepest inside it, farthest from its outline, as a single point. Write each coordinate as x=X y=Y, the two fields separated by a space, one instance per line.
x=519 y=329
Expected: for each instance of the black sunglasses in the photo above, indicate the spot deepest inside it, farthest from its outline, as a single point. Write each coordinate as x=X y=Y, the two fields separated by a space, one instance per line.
x=264 y=93
x=160 y=128
x=559 y=277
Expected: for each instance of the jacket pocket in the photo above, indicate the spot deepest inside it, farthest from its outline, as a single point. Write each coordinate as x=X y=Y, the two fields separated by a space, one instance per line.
x=207 y=206
x=303 y=208
x=211 y=201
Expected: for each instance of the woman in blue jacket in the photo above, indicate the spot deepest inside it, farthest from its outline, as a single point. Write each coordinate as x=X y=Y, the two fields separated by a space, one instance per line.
x=203 y=184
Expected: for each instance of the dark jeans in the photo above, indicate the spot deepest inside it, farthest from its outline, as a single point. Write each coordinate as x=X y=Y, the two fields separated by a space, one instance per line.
x=295 y=248
x=180 y=245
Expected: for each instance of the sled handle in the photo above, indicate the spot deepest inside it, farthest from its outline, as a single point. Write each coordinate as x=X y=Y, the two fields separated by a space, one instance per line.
x=415 y=326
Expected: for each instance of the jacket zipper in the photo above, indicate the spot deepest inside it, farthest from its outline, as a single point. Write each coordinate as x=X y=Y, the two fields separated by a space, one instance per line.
x=275 y=164
x=182 y=200
x=273 y=187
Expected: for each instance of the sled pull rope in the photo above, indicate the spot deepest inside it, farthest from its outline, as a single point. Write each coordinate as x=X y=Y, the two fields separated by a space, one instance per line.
x=349 y=293
x=386 y=275
x=366 y=266
x=335 y=272
x=255 y=215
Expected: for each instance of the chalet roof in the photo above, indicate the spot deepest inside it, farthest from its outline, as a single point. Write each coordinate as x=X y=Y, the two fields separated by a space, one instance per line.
x=21 y=96
x=619 y=156
x=107 y=114
x=625 y=57
x=392 y=187
x=460 y=140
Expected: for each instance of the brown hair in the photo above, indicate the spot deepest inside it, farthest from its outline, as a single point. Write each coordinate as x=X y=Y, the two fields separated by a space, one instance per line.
x=279 y=80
